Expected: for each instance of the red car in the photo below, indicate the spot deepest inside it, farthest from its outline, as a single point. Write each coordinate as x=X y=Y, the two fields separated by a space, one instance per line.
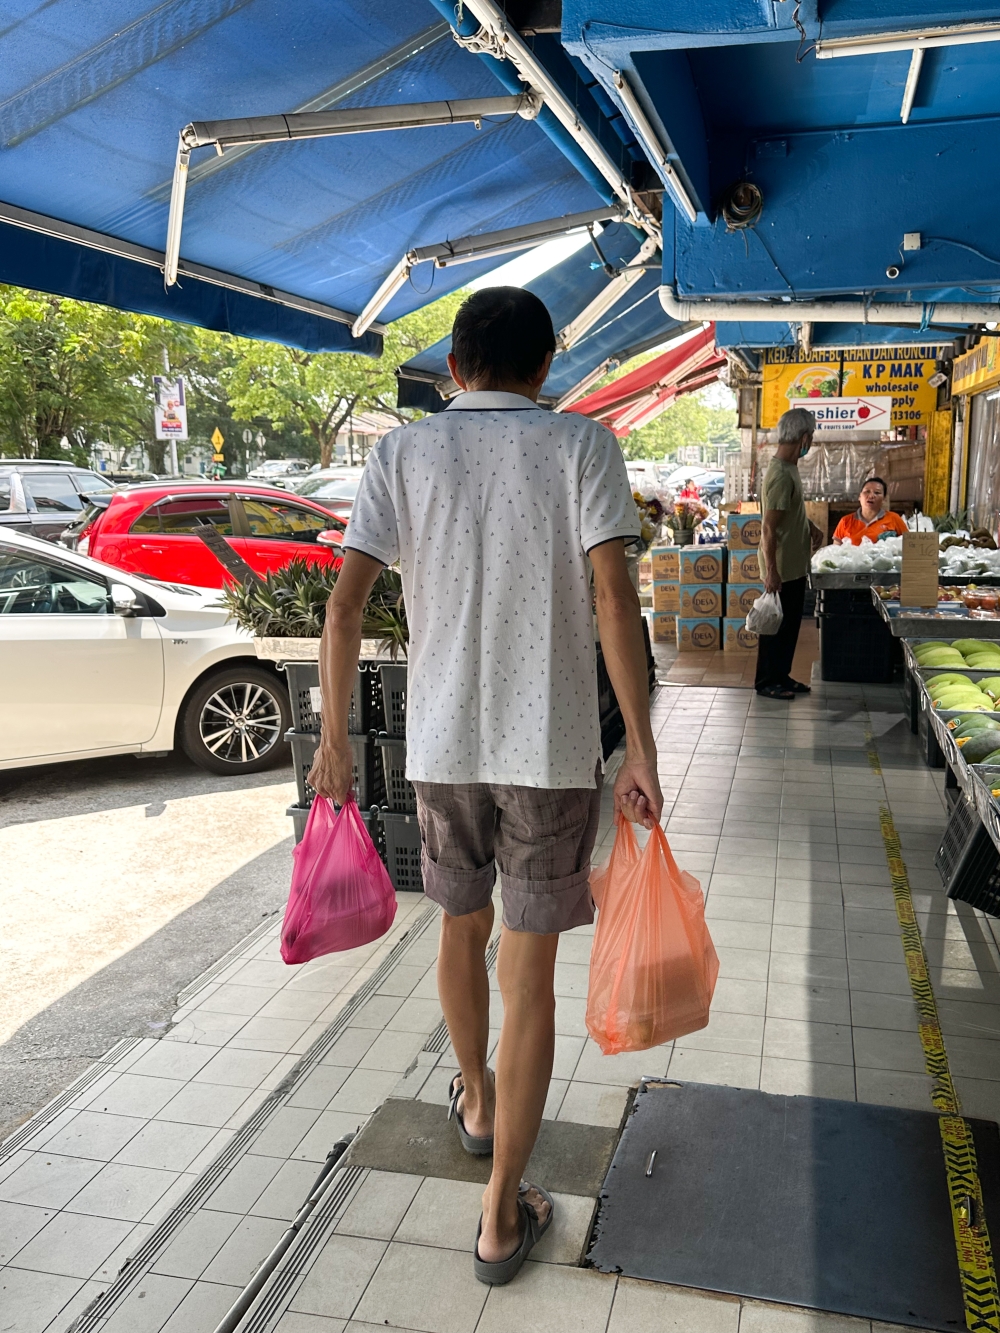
x=151 y=529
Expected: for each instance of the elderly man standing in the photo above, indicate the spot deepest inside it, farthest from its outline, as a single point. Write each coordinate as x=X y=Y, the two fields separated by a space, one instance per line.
x=787 y=539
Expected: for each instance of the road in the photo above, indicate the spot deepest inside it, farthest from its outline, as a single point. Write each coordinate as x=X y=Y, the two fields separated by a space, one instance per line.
x=123 y=880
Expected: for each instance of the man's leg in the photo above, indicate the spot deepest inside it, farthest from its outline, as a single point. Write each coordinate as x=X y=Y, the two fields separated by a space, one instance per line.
x=464 y=991
x=525 y=968
x=793 y=598
x=457 y=831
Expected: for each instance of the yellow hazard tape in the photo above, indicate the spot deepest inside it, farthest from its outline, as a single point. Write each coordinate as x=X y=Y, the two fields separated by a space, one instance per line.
x=972 y=1238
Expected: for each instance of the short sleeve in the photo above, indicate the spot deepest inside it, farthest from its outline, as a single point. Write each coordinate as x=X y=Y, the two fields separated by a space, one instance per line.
x=842 y=530
x=779 y=491
x=372 y=529
x=607 y=509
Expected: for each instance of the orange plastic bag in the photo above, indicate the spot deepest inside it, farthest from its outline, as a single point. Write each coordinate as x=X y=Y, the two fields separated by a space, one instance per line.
x=653 y=965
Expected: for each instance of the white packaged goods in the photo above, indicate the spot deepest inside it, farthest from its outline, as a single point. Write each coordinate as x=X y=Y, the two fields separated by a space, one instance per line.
x=766 y=615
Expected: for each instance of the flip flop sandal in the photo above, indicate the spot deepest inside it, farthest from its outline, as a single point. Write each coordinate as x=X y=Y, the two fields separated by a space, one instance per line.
x=501 y=1272
x=776 y=692
x=478 y=1147
x=797 y=687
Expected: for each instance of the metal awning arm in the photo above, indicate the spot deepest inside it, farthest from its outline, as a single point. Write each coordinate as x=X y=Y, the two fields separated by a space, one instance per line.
x=485 y=245
x=224 y=134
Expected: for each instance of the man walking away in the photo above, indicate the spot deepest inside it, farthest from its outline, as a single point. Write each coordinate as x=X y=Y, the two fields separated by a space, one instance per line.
x=787 y=539
x=492 y=508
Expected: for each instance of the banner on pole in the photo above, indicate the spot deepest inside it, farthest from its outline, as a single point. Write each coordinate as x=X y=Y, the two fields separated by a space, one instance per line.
x=170 y=408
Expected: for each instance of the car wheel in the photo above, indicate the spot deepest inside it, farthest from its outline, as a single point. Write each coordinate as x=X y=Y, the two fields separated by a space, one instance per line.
x=235 y=721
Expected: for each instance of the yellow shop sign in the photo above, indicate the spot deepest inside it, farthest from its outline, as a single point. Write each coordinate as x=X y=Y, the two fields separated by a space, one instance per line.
x=793 y=380
x=978 y=369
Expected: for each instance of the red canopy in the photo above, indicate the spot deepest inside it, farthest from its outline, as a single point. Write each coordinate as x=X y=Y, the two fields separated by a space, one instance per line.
x=639 y=397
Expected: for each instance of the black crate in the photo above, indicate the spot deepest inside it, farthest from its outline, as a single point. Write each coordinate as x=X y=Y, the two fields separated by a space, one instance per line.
x=399 y=794
x=393 y=684
x=373 y=822
x=911 y=699
x=606 y=701
x=402 y=851
x=929 y=747
x=846 y=602
x=856 y=649
x=612 y=731
x=650 y=662
x=369 y=782
x=968 y=861
x=364 y=713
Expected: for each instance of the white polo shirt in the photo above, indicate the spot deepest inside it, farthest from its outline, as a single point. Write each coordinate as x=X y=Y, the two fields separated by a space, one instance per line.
x=490 y=507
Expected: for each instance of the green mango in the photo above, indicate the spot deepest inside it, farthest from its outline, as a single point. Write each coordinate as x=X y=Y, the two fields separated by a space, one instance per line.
x=976 y=748
x=948 y=678
x=991 y=685
x=993 y=758
x=967 y=645
x=979 y=660
x=979 y=722
x=950 y=696
x=943 y=657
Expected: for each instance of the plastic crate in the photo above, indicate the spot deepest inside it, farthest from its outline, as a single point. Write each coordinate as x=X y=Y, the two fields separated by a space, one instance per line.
x=929 y=747
x=846 y=602
x=373 y=822
x=857 y=649
x=911 y=699
x=650 y=660
x=606 y=701
x=402 y=851
x=393 y=685
x=968 y=861
x=364 y=713
x=400 y=796
x=369 y=781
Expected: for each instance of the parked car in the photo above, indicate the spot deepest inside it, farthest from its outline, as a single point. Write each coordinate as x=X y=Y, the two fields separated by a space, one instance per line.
x=275 y=470
x=152 y=529
x=97 y=662
x=39 y=496
x=334 y=488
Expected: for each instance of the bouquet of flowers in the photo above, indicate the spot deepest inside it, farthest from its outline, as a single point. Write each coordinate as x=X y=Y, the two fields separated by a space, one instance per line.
x=651 y=515
x=688 y=513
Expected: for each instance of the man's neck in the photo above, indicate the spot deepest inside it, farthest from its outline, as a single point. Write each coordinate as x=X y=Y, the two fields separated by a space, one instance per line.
x=508 y=386
x=788 y=453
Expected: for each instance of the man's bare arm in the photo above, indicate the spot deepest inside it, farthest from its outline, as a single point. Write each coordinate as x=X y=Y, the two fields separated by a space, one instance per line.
x=619 y=621
x=338 y=661
x=769 y=544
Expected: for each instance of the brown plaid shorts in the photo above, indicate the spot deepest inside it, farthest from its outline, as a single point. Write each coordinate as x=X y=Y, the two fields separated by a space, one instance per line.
x=539 y=838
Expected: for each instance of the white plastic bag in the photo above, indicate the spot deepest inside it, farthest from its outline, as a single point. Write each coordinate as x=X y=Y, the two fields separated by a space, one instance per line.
x=766 y=615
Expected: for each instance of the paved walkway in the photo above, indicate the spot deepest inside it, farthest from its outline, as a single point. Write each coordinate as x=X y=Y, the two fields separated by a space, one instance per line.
x=191 y=1153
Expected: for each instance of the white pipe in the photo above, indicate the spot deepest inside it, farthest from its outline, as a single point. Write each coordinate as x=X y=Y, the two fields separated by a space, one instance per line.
x=505 y=42
x=843 y=312
x=650 y=140
x=961 y=34
x=912 y=79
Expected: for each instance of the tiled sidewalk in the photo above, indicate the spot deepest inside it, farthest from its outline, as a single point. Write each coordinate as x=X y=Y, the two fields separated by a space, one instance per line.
x=774 y=807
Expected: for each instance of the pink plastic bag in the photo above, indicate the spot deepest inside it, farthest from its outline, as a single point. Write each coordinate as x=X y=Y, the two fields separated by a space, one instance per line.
x=341 y=895
x=653 y=966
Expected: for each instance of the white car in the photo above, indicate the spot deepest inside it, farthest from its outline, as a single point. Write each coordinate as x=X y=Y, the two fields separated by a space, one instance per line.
x=95 y=662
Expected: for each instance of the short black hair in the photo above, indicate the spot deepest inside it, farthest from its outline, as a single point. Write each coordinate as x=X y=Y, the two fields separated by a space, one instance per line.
x=885 y=488
x=502 y=334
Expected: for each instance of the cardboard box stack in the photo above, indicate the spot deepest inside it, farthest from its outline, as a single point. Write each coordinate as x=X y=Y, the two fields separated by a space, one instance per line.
x=665 y=561
x=702 y=597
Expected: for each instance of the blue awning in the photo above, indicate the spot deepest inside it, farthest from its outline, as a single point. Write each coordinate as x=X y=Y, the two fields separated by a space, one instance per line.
x=759 y=334
x=635 y=323
x=91 y=102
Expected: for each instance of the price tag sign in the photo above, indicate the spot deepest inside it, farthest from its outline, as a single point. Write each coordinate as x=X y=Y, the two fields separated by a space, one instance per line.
x=918 y=581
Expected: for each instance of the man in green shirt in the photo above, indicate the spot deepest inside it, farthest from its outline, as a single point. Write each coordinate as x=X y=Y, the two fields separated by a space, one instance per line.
x=786 y=541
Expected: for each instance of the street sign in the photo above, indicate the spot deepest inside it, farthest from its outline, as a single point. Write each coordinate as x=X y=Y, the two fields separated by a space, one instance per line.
x=248 y=436
x=169 y=408
x=218 y=439
x=847 y=416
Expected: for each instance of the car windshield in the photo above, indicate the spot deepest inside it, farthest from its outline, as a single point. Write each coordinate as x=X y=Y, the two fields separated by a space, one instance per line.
x=331 y=489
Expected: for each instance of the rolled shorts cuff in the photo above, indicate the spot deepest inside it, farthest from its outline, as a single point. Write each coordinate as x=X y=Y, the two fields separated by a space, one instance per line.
x=547 y=906
x=459 y=892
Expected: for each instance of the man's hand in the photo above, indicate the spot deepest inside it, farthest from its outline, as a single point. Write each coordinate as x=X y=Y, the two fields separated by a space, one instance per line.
x=772 y=583
x=332 y=771
x=637 y=792
x=816 y=537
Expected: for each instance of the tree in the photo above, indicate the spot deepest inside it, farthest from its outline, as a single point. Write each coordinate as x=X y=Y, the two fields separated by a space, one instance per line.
x=316 y=392
x=696 y=418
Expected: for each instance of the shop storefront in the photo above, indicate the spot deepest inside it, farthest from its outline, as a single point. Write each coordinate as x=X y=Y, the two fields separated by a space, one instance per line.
x=976 y=378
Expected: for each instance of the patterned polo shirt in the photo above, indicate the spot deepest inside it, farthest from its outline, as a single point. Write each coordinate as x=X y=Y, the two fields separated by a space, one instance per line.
x=490 y=507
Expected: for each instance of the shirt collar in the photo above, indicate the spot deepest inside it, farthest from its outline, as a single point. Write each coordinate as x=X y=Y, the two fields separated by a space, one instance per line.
x=869 y=521
x=486 y=400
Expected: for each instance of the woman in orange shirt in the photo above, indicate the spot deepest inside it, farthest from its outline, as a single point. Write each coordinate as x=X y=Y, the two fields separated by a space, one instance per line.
x=872 y=519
